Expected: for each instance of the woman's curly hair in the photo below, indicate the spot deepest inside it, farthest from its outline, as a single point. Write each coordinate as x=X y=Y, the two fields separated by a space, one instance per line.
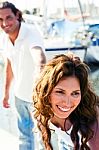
x=83 y=117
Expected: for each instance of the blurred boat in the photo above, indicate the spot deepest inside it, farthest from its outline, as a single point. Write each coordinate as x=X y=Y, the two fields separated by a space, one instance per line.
x=81 y=40
x=61 y=34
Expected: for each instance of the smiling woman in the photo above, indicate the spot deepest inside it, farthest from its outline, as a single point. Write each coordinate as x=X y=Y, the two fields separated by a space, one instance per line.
x=65 y=103
x=64 y=98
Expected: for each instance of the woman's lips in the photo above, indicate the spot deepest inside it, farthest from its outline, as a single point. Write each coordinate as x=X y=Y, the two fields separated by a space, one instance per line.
x=63 y=108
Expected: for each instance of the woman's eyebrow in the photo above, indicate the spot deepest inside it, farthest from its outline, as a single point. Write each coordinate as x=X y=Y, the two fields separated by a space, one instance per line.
x=77 y=91
x=59 y=88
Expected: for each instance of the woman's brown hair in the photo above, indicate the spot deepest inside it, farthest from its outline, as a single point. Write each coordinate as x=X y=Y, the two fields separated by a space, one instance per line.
x=83 y=117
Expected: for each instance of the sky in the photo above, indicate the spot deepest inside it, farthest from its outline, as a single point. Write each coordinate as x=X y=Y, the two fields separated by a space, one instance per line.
x=29 y=4
x=26 y=4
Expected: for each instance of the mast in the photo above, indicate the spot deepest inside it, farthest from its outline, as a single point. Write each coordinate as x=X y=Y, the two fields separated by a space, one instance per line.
x=45 y=34
x=81 y=11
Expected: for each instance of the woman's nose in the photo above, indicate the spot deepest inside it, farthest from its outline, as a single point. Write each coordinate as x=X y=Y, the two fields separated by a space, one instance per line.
x=67 y=101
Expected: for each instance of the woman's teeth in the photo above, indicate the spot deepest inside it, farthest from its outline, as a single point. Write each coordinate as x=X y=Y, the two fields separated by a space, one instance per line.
x=63 y=109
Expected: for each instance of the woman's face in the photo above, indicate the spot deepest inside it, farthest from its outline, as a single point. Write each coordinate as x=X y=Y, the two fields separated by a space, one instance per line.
x=65 y=97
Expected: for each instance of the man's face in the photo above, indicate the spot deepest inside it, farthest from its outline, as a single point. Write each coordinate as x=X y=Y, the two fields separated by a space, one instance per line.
x=8 y=21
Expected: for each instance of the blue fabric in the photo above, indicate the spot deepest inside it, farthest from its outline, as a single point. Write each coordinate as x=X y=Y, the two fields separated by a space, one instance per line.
x=64 y=146
x=25 y=124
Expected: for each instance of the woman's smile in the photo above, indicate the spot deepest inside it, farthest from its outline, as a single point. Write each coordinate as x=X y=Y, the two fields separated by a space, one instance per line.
x=63 y=108
x=65 y=97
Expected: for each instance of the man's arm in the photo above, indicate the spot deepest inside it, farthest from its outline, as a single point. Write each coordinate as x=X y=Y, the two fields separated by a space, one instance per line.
x=39 y=60
x=9 y=77
x=39 y=57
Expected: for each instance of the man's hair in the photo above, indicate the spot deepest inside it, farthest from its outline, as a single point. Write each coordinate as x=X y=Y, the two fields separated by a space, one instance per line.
x=6 y=4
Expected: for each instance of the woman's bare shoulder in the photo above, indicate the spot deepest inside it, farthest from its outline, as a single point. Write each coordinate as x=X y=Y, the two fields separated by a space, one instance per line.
x=94 y=142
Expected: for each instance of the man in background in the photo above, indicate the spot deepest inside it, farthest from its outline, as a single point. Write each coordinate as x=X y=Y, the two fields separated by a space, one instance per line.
x=24 y=50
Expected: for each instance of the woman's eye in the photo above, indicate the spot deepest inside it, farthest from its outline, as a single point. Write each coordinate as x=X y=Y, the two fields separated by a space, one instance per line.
x=59 y=92
x=75 y=94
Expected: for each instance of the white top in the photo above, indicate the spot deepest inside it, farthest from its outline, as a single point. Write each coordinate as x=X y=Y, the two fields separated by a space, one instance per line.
x=22 y=58
x=60 y=140
x=63 y=140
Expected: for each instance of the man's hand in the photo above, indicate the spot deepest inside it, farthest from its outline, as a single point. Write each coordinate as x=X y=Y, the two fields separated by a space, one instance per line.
x=5 y=103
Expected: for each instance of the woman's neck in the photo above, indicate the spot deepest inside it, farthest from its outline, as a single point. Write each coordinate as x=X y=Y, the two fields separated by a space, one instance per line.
x=64 y=124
